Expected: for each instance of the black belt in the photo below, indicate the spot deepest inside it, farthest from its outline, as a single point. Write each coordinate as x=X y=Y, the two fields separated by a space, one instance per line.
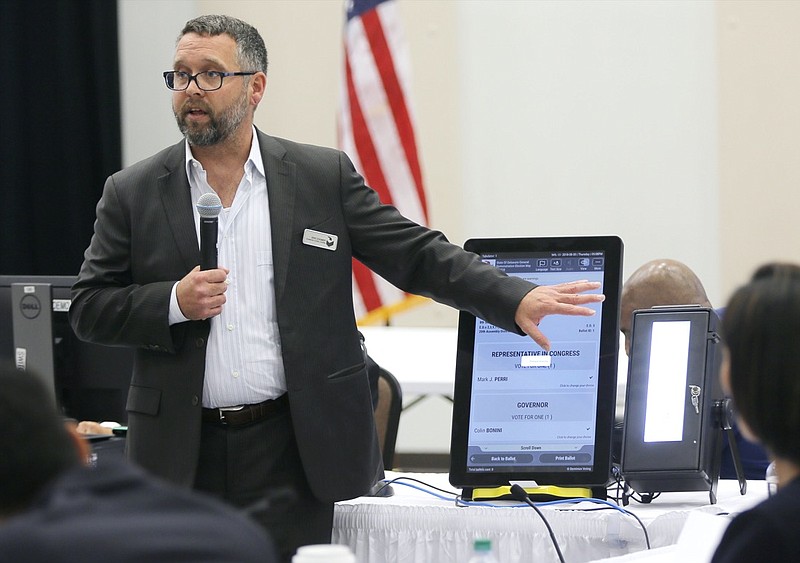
x=246 y=414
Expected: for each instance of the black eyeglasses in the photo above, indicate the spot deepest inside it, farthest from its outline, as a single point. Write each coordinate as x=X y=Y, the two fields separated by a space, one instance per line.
x=207 y=81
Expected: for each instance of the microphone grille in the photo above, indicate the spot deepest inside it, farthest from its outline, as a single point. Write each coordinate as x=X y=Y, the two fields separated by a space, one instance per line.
x=209 y=205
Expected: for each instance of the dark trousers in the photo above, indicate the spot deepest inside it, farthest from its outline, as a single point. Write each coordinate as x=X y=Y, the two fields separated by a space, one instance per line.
x=257 y=468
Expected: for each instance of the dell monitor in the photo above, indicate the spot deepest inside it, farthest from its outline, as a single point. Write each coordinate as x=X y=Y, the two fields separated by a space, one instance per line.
x=88 y=381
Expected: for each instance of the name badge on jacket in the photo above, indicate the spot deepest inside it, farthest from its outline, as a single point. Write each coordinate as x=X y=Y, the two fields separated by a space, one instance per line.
x=320 y=239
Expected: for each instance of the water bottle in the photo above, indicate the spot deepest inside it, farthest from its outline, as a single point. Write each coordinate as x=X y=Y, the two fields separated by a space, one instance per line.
x=772 y=479
x=482 y=552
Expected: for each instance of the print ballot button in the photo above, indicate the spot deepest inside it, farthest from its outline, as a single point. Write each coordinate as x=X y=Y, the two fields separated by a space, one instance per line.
x=565 y=458
x=320 y=239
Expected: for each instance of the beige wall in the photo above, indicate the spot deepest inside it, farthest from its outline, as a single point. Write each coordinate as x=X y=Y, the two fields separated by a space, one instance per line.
x=759 y=137
x=670 y=123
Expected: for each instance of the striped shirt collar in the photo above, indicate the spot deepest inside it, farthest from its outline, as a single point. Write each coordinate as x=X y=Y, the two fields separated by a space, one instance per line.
x=254 y=157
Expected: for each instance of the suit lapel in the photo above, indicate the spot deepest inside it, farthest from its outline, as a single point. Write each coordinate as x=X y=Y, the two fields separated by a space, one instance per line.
x=176 y=198
x=281 y=193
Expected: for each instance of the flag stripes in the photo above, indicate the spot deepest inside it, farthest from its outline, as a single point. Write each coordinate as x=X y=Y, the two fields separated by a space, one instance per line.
x=376 y=130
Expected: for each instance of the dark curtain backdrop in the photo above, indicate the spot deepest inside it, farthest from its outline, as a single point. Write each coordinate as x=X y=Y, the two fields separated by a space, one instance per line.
x=59 y=128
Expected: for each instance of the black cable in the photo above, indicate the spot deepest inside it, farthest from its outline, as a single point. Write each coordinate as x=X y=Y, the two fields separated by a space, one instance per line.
x=622 y=488
x=644 y=529
x=520 y=494
x=607 y=507
x=627 y=492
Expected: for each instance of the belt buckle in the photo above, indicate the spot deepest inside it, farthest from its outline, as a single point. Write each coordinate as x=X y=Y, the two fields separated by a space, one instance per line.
x=223 y=410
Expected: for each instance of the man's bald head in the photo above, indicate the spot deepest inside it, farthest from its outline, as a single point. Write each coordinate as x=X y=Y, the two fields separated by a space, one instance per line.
x=659 y=282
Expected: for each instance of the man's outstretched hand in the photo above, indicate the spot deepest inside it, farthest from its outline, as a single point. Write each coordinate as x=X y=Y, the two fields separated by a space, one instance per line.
x=560 y=299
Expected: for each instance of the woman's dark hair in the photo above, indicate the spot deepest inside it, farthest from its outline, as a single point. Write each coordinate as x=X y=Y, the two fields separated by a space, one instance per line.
x=776 y=270
x=34 y=445
x=761 y=329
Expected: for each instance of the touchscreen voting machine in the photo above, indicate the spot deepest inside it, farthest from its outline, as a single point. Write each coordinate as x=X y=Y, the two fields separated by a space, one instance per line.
x=525 y=416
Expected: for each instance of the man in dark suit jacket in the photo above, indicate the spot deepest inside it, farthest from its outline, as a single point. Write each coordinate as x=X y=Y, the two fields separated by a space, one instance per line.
x=53 y=507
x=294 y=218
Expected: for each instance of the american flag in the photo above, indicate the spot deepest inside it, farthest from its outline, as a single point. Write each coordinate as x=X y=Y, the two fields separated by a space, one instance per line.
x=376 y=131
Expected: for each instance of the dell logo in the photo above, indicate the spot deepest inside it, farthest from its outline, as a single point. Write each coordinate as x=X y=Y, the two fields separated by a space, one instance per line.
x=30 y=306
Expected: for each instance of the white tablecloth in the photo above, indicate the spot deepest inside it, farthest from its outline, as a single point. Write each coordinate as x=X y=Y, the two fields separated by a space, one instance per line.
x=415 y=527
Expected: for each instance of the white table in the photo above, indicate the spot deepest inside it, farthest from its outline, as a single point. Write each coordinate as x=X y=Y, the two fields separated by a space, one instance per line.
x=414 y=527
x=423 y=359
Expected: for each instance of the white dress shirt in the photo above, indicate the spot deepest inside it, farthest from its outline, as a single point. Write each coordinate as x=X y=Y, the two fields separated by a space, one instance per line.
x=243 y=357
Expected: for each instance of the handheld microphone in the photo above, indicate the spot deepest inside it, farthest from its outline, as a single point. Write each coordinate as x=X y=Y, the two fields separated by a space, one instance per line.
x=209 y=207
x=521 y=495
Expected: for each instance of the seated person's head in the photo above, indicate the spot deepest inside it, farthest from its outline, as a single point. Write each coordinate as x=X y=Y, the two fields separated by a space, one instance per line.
x=35 y=444
x=659 y=282
x=761 y=366
x=776 y=270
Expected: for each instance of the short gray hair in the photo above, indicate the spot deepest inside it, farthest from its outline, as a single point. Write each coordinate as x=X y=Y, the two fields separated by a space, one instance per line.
x=251 y=53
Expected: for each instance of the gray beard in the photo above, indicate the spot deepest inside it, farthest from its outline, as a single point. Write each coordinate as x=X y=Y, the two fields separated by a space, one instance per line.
x=218 y=128
x=209 y=135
